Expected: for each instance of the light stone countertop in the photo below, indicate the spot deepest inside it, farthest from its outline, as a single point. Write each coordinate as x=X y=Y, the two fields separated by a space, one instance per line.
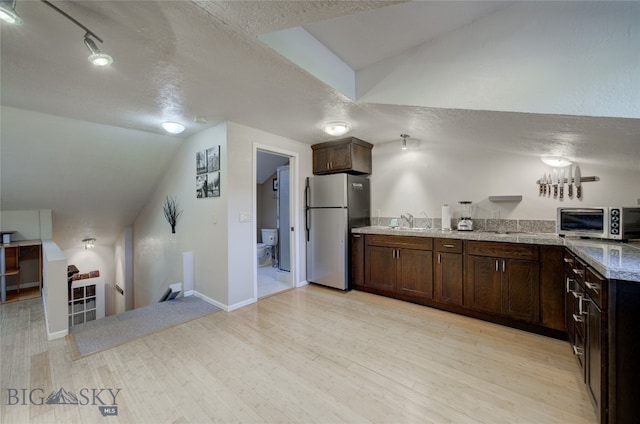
x=614 y=260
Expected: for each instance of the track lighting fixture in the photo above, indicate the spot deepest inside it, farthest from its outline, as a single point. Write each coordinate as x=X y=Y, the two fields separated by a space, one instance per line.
x=404 y=141
x=8 y=12
x=89 y=243
x=96 y=57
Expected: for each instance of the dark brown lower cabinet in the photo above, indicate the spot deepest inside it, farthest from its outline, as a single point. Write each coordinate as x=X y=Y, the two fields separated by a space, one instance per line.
x=483 y=282
x=587 y=323
x=502 y=285
x=357 y=261
x=399 y=264
x=381 y=268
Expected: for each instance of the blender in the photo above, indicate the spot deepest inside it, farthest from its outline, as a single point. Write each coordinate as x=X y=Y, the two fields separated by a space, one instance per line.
x=466 y=210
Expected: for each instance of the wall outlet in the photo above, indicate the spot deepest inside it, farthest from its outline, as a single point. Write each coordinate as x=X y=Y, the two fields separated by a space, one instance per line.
x=245 y=217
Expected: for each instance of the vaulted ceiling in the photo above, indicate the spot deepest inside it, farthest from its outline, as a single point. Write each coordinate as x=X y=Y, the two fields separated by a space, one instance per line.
x=446 y=72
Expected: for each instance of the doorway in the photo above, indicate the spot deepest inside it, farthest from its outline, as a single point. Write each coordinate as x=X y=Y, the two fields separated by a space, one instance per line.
x=275 y=216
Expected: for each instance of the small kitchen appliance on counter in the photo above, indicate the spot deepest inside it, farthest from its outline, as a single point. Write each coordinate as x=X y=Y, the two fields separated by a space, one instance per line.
x=465 y=223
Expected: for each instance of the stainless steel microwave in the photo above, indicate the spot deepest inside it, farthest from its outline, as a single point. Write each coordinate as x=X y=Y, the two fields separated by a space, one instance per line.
x=609 y=222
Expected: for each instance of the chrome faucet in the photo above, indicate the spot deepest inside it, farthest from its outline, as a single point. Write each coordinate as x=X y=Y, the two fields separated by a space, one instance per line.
x=409 y=219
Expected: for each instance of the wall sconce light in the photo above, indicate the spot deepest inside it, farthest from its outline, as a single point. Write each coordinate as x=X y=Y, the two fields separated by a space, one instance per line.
x=556 y=161
x=336 y=128
x=89 y=243
x=404 y=141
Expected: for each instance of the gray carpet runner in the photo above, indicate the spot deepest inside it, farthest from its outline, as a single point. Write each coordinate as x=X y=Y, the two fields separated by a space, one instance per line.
x=114 y=330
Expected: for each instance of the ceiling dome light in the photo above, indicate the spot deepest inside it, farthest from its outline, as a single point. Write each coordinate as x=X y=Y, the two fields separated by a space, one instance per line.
x=8 y=12
x=173 y=127
x=556 y=161
x=336 y=128
x=96 y=57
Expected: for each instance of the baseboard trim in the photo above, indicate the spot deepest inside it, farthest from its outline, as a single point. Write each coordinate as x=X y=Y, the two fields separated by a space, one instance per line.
x=226 y=308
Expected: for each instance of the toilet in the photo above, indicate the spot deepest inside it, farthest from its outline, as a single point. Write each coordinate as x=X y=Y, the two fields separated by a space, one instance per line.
x=265 y=249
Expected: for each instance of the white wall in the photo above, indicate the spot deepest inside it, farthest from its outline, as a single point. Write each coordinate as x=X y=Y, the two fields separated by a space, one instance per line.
x=223 y=248
x=425 y=177
x=100 y=258
x=572 y=58
x=201 y=229
x=28 y=224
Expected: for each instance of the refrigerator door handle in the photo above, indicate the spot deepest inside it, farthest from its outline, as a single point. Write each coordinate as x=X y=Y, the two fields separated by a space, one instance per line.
x=307 y=218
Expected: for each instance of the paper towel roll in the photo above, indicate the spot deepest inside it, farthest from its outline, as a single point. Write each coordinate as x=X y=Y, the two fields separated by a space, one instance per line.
x=446 y=218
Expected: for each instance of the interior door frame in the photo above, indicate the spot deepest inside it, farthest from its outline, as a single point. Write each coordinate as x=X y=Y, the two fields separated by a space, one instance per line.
x=294 y=211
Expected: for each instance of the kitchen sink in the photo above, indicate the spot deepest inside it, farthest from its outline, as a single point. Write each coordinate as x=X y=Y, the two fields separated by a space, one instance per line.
x=414 y=229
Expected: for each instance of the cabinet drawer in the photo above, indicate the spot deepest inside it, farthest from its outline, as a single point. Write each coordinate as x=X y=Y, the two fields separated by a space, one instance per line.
x=502 y=250
x=596 y=287
x=448 y=245
x=401 y=242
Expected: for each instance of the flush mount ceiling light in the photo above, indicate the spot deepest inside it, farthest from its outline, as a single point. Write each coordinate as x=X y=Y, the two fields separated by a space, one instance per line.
x=336 y=128
x=556 y=161
x=173 y=127
x=404 y=141
x=8 y=12
x=96 y=57
x=89 y=243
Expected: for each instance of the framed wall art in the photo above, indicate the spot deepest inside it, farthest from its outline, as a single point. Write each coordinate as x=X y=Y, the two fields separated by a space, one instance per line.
x=208 y=173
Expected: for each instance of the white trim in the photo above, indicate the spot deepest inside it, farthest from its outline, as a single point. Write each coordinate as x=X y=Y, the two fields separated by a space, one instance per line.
x=57 y=334
x=210 y=301
x=302 y=283
x=294 y=209
x=189 y=293
x=241 y=304
x=222 y=305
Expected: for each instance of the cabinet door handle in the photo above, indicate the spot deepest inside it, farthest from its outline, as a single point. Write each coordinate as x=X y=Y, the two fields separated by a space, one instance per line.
x=569 y=281
x=577 y=351
x=448 y=245
x=568 y=260
x=355 y=235
x=591 y=286
x=439 y=258
x=578 y=271
x=581 y=310
x=497 y=266
x=504 y=265
x=577 y=318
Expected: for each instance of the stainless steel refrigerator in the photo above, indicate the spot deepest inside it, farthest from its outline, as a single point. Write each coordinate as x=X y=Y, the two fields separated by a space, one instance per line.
x=334 y=205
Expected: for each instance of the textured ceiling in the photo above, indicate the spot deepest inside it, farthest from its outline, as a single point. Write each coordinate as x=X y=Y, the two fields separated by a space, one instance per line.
x=201 y=63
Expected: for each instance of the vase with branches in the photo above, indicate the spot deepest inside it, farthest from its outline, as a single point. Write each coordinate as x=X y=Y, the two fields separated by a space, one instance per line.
x=171 y=212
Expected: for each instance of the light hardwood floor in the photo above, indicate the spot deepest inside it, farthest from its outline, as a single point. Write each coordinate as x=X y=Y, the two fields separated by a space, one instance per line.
x=309 y=355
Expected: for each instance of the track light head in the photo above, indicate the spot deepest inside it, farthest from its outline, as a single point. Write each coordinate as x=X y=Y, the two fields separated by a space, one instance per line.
x=96 y=57
x=8 y=12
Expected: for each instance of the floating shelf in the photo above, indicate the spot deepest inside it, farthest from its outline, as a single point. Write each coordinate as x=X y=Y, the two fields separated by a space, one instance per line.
x=509 y=198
